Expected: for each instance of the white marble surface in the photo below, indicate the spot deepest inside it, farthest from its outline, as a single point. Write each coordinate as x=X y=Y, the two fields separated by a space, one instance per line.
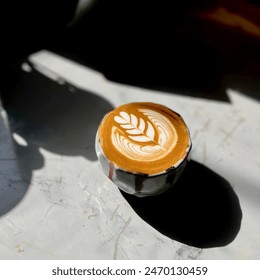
x=70 y=210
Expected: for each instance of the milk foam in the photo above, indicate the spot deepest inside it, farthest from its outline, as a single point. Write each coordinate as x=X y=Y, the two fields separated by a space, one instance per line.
x=148 y=136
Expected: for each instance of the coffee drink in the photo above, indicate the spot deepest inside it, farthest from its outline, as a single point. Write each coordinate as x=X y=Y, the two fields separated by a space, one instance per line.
x=138 y=142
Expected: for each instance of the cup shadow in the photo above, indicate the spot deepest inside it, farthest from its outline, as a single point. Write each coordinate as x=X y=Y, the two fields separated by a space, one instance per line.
x=201 y=210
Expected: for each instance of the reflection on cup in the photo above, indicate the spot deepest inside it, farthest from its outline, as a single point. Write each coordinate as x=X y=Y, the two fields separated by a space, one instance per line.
x=143 y=147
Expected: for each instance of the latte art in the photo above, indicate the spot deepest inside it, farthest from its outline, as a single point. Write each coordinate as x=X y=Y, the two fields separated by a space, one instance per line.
x=144 y=138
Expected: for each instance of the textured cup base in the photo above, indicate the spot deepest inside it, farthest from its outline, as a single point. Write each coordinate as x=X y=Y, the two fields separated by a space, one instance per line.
x=140 y=185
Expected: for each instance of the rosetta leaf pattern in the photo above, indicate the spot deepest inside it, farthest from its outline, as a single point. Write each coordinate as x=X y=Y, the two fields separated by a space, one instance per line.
x=143 y=137
x=137 y=129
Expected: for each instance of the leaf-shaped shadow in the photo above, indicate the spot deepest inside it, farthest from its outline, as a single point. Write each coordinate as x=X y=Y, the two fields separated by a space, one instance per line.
x=201 y=210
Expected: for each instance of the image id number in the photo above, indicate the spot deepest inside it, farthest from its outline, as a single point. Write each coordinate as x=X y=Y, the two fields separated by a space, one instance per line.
x=160 y=270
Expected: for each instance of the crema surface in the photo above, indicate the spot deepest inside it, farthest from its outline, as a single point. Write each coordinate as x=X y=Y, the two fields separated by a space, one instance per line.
x=145 y=138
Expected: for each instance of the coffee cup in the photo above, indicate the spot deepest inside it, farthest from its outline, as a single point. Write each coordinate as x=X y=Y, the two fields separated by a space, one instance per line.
x=143 y=147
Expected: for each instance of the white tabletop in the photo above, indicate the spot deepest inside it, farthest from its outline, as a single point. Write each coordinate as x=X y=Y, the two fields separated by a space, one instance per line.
x=57 y=204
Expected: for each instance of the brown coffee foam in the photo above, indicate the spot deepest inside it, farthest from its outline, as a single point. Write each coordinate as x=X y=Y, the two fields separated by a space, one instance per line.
x=138 y=165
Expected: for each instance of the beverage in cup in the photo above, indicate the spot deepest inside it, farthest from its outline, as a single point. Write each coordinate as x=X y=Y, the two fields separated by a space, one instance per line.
x=143 y=147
